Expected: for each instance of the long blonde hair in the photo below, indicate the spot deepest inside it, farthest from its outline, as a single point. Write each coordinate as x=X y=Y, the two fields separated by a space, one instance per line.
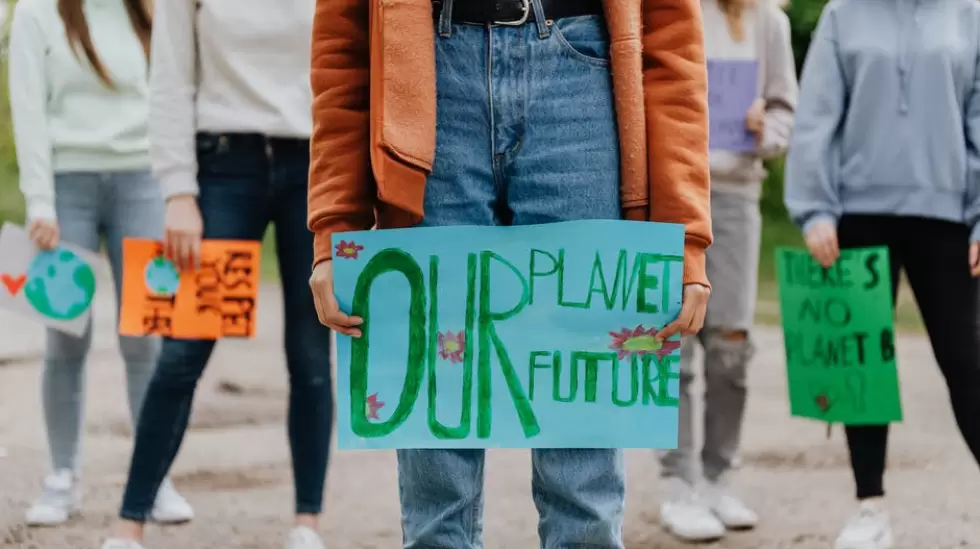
x=734 y=9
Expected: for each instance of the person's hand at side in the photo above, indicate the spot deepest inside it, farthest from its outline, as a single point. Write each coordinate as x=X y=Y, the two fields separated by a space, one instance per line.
x=327 y=308
x=975 y=258
x=183 y=230
x=755 y=120
x=821 y=240
x=691 y=318
x=44 y=233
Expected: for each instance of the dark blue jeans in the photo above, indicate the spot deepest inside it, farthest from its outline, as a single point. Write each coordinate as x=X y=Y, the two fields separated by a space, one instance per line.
x=246 y=182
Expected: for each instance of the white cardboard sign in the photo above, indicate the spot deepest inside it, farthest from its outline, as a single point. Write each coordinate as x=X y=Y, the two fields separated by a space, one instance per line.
x=54 y=287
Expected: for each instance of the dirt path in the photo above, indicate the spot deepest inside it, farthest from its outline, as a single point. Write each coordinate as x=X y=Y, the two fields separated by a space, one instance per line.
x=234 y=464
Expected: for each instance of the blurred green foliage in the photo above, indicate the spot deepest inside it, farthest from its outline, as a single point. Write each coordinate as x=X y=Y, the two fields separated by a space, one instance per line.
x=11 y=203
x=803 y=17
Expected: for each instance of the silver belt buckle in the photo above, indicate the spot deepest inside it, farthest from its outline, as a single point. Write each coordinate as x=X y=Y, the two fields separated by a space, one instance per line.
x=525 y=14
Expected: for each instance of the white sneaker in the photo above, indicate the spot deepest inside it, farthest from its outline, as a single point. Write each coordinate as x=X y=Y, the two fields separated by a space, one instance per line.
x=304 y=538
x=730 y=509
x=869 y=528
x=170 y=507
x=121 y=544
x=59 y=501
x=684 y=516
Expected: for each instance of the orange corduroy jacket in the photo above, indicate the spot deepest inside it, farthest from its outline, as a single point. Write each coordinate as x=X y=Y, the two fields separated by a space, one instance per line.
x=374 y=112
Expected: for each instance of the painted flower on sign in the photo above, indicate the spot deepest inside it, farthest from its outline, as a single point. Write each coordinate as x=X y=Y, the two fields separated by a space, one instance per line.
x=823 y=402
x=347 y=250
x=641 y=341
x=372 y=405
x=451 y=346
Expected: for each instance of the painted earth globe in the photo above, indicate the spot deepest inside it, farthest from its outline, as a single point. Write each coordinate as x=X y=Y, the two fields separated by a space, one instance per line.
x=161 y=277
x=60 y=285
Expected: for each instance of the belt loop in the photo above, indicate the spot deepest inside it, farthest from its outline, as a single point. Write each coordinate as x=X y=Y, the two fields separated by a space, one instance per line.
x=446 y=19
x=539 y=20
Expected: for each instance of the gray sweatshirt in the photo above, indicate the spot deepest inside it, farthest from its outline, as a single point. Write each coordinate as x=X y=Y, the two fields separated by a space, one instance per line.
x=889 y=120
x=768 y=41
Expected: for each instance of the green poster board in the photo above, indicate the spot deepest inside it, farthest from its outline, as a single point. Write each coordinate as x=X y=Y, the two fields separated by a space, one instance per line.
x=838 y=327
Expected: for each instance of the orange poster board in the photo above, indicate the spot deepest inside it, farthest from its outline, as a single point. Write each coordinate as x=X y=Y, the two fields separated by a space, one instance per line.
x=217 y=300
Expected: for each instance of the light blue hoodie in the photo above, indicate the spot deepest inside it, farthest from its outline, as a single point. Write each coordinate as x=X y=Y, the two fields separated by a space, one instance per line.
x=888 y=120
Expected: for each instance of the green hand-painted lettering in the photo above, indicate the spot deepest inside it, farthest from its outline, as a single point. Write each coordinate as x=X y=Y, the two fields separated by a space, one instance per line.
x=437 y=428
x=634 y=383
x=488 y=336
x=599 y=278
x=533 y=367
x=386 y=261
x=661 y=376
x=646 y=283
x=561 y=285
x=591 y=369
x=535 y=273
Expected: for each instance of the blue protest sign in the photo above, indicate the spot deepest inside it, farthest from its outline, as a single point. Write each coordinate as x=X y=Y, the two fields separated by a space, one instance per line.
x=515 y=337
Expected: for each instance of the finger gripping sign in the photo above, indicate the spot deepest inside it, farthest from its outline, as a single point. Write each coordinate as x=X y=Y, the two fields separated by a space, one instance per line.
x=838 y=331
x=217 y=300
x=539 y=336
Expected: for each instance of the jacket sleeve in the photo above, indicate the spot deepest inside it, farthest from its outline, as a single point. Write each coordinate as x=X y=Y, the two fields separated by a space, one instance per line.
x=341 y=189
x=28 y=110
x=173 y=92
x=972 y=123
x=781 y=90
x=675 y=84
x=811 y=191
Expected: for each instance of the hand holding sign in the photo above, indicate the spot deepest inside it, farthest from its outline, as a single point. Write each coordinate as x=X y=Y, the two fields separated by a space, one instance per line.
x=183 y=230
x=327 y=309
x=755 y=120
x=821 y=241
x=45 y=233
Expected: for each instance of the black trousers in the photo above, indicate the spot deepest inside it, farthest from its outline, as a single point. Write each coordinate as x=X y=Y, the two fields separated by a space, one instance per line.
x=934 y=257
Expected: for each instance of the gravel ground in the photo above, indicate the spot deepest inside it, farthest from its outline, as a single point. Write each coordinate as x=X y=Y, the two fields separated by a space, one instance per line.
x=234 y=464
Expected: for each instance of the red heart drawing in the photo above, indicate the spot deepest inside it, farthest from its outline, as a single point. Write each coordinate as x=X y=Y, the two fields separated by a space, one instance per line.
x=13 y=283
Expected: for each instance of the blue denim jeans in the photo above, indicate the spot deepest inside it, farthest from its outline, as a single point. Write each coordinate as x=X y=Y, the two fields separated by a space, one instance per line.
x=526 y=134
x=247 y=181
x=90 y=205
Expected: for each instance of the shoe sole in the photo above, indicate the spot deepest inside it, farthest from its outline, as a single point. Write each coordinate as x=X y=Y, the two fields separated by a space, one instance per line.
x=738 y=527
x=72 y=515
x=686 y=539
x=169 y=521
x=887 y=542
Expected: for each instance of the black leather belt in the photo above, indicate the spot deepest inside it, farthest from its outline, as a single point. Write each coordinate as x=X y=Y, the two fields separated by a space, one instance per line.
x=515 y=12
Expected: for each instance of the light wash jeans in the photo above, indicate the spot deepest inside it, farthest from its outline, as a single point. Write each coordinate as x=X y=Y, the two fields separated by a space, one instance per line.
x=526 y=134
x=733 y=269
x=90 y=206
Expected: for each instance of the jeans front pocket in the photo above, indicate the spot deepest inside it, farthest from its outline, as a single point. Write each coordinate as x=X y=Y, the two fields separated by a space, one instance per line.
x=584 y=37
x=211 y=148
x=224 y=156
